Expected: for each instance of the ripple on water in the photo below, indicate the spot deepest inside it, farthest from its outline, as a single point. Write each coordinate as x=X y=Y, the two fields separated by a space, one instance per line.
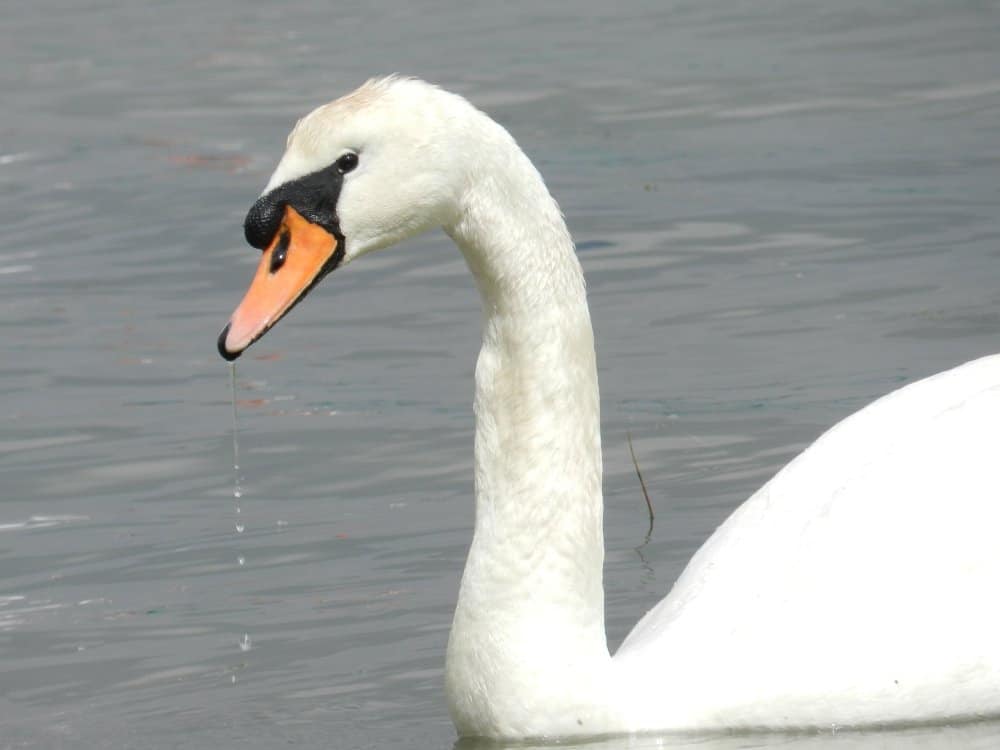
x=783 y=210
x=42 y=522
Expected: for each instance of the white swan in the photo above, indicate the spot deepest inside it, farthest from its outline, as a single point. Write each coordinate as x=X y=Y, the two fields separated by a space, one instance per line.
x=859 y=586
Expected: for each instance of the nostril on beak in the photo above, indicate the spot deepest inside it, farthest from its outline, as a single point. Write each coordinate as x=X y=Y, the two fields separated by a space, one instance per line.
x=280 y=252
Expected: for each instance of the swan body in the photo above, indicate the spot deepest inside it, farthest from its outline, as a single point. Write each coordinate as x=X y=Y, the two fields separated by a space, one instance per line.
x=857 y=588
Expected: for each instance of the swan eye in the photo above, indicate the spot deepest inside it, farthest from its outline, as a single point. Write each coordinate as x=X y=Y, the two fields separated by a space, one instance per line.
x=347 y=162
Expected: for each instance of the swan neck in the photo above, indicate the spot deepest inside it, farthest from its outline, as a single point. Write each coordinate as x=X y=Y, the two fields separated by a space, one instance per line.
x=530 y=617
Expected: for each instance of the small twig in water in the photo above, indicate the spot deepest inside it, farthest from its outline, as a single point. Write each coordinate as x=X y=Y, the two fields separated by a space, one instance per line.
x=642 y=483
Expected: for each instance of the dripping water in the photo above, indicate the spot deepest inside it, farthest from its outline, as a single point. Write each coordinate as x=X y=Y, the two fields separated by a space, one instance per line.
x=237 y=491
x=244 y=641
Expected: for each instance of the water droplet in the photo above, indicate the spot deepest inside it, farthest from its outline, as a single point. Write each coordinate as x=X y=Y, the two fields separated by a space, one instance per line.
x=244 y=642
x=237 y=492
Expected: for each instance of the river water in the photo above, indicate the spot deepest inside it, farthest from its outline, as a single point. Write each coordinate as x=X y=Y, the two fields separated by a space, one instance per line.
x=783 y=209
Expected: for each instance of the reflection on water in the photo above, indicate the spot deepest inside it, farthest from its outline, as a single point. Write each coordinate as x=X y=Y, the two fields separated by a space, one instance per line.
x=783 y=212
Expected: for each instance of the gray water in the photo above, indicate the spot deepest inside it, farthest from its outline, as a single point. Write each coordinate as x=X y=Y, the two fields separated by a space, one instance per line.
x=783 y=209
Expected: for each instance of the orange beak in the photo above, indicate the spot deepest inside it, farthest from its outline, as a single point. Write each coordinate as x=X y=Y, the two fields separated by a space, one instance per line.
x=300 y=254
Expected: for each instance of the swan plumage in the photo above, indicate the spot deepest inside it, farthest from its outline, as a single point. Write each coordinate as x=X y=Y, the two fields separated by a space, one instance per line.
x=856 y=588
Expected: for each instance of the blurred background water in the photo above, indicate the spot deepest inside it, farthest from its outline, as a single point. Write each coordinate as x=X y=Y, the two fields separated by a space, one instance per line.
x=784 y=210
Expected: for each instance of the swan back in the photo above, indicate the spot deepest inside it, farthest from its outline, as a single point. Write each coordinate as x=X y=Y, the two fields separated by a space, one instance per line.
x=855 y=586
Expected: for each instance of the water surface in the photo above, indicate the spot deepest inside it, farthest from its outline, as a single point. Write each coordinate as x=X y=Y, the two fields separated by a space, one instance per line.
x=783 y=210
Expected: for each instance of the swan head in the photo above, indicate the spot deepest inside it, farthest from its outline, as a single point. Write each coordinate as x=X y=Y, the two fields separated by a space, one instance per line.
x=366 y=171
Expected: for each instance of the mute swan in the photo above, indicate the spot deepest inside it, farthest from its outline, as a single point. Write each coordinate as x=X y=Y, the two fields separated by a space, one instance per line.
x=858 y=587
